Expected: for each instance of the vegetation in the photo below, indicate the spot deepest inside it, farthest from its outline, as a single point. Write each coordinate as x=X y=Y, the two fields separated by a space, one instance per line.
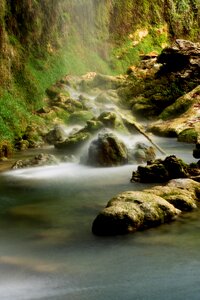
x=41 y=41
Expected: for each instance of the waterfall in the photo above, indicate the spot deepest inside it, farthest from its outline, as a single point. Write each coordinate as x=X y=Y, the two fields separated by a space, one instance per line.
x=90 y=19
x=82 y=15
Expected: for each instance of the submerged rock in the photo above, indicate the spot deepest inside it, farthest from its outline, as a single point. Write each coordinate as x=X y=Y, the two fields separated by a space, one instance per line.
x=41 y=159
x=138 y=210
x=107 y=151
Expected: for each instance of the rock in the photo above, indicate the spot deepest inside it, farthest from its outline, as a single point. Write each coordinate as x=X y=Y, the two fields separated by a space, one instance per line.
x=132 y=211
x=189 y=135
x=39 y=160
x=80 y=117
x=112 y=120
x=137 y=210
x=74 y=141
x=185 y=123
x=183 y=197
x=69 y=158
x=55 y=135
x=142 y=153
x=183 y=56
x=102 y=81
x=94 y=125
x=22 y=145
x=161 y=170
x=196 y=151
x=107 y=151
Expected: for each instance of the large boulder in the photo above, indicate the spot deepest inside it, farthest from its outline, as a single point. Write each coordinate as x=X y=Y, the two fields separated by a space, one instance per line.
x=137 y=210
x=107 y=151
x=132 y=211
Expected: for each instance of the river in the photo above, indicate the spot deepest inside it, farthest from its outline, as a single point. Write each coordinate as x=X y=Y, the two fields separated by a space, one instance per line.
x=48 y=251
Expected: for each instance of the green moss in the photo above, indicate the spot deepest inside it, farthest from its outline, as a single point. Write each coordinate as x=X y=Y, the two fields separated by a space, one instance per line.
x=176 y=109
x=188 y=135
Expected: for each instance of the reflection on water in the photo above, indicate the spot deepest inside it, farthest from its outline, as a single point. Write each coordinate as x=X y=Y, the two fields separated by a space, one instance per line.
x=48 y=252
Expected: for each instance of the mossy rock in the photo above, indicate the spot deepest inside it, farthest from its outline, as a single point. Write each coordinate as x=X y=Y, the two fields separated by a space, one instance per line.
x=113 y=121
x=54 y=91
x=107 y=151
x=6 y=149
x=183 y=199
x=94 y=125
x=188 y=135
x=161 y=170
x=132 y=211
x=74 y=141
x=80 y=117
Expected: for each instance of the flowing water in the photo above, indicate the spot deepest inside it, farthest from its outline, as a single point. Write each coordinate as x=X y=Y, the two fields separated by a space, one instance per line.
x=48 y=251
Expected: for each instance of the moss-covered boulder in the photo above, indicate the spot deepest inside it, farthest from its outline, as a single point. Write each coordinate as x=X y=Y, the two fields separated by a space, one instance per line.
x=138 y=210
x=181 y=119
x=189 y=135
x=185 y=198
x=132 y=211
x=107 y=151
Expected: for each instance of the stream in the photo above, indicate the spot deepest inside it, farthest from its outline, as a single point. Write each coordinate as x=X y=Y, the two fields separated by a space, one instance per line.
x=48 y=251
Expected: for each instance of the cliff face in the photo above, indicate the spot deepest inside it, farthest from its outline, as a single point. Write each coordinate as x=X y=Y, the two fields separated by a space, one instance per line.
x=40 y=41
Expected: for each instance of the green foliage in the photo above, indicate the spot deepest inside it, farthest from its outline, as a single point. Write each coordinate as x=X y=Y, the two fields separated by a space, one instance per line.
x=183 y=18
x=13 y=116
x=129 y=54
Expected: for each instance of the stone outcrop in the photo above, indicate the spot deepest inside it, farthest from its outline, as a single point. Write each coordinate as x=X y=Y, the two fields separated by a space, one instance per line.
x=182 y=118
x=183 y=58
x=138 y=210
